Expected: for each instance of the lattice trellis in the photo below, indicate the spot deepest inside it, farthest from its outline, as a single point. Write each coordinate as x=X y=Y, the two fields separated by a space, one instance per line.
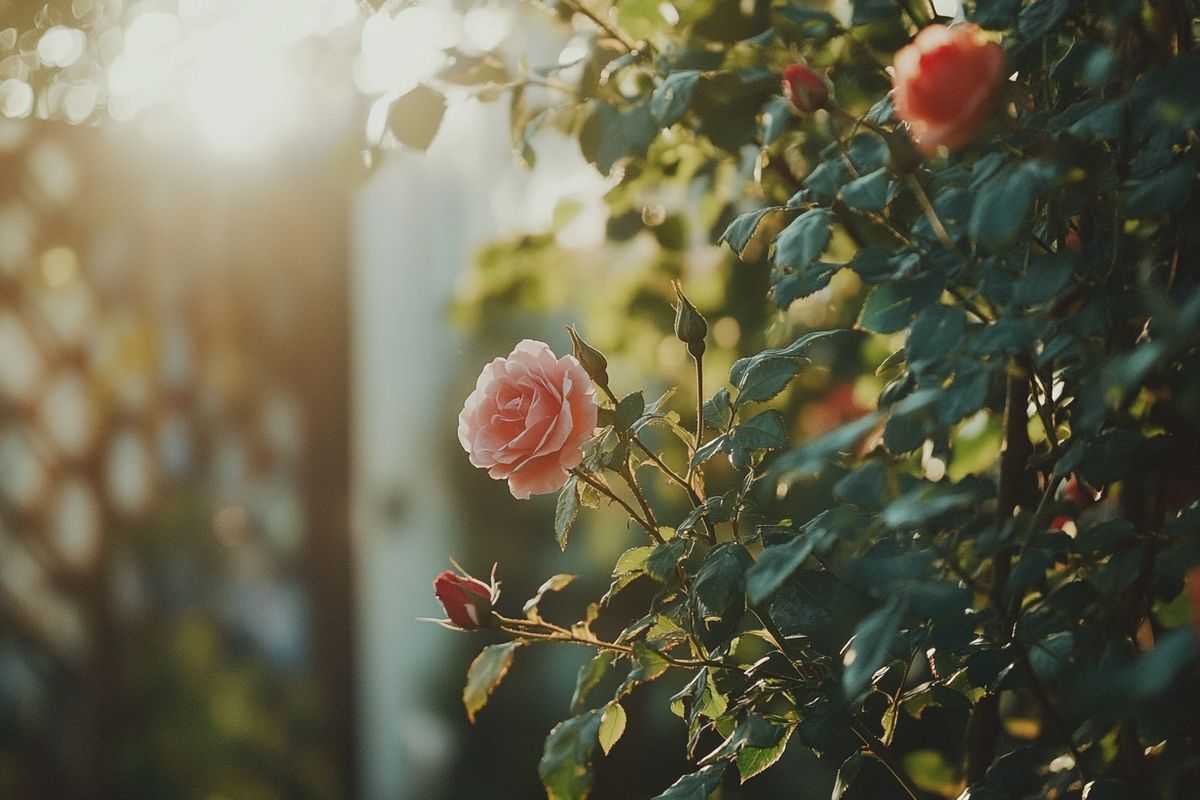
x=174 y=581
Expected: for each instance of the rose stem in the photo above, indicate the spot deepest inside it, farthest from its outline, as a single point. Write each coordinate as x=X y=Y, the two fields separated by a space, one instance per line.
x=591 y=480
x=694 y=496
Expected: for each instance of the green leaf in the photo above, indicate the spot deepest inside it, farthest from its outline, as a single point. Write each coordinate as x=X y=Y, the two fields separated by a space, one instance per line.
x=485 y=674
x=697 y=786
x=709 y=449
x=712 y=509
x=890 y=306
x=633 y=560
x=873 y=264
x=649 y=663
x=846 y=774
x=790 y=287
x=765 y=431
x=868 y=193
x=1050 y=657
x=937 y=331
x=814 y=455
x=760 y=377
x=609 y=135
x=641 y=19
x=928 y=501
x=741 y=232
x=590 y=674
x=1039 y=17
x=673 y=96
x=414 y=118
x=995 y=14
x=565 y=511
x=665 y=557
x=612 y=726
x=752 y=760
x=555 y=583
x=718 y=410
x=721 y=580
x=776 y=116
x=868 y=650
x=566 y=764
x=864 y=486
x=801 y=242
x=823 y=182
x=753 y=731
x=775 y=565
x=966 y=395
x=1164 y=192
x=629 y=410
x=1003 y=202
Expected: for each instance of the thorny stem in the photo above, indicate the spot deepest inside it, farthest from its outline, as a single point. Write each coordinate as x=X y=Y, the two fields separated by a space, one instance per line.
x=549 y=632
x=603 y=489
x=935 y=221
x=627 y=476
x=694 y=496
x=895 y=705
x=699 y=416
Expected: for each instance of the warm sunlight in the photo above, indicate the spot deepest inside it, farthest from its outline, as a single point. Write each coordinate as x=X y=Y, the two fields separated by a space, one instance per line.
x=230 y=74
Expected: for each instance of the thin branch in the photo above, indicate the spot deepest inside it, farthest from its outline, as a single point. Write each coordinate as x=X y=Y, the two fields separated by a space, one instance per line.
x=935 y=221
x=626 y=474
x=602 y=488
x=699 y=417
x=882 y=754
x=603 y=24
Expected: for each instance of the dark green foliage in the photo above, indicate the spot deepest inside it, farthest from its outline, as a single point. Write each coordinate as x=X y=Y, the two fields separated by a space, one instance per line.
x=973 y=581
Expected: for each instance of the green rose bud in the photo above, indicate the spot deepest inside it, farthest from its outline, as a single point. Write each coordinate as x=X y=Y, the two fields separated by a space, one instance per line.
x=593 y=361
x=690 y=327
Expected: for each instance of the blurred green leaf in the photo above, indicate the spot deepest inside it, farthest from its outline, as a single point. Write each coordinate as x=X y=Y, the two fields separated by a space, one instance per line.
x=414 y=118
x=485 y=674
x=697 y=786
x=566 y=764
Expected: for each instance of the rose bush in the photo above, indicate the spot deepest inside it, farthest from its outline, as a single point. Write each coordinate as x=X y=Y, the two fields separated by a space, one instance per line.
x=528 y=417
x=946 y=85
x=467 y=601
x=975 y=583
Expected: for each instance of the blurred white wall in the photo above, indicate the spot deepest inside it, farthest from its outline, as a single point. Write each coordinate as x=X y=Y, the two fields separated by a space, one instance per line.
x=415 y=226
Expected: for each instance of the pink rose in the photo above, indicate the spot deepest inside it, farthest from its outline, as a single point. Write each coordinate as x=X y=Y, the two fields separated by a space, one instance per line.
x=528 y=418
x=468 y=601
x=946 y=85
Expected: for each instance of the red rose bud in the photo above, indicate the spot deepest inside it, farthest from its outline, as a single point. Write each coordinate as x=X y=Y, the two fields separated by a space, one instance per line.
x=468 y=601
x=1077 y=493
x=807 y=90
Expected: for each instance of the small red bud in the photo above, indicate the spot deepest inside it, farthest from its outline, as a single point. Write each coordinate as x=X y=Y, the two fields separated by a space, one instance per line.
x=807 y=90
x=467 y=601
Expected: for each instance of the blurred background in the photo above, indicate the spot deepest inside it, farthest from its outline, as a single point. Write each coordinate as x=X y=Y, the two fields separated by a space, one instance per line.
x=236 y=327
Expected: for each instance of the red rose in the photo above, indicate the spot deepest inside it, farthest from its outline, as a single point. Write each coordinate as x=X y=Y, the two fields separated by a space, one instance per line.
x=807 y=90
x=468 y=601
x=946 y=85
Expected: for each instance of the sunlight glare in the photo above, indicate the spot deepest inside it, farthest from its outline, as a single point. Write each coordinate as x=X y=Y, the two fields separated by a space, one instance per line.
x=227 y=73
